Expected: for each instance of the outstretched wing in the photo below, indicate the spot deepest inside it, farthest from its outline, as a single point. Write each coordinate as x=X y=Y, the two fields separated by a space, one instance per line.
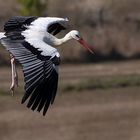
x=52 y=25
x=55 y=28
x=17 y=23
x=20 y=23
x=25 y=40
x=57 y=25
x=40 y=73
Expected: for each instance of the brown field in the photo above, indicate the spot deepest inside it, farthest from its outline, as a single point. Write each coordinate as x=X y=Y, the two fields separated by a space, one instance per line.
x=87 y=114
x=111 y=114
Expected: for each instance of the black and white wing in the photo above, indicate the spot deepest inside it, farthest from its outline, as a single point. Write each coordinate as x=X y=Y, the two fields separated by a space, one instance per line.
x=40 y=75
x=52 y=25
x=17 y=23
x=39 y=68
x=55 y=28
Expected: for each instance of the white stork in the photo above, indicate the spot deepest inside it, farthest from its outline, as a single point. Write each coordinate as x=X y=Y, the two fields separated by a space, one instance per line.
x=30 y=41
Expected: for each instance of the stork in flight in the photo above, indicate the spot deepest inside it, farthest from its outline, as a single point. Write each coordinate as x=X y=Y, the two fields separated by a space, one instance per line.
x=30 y=40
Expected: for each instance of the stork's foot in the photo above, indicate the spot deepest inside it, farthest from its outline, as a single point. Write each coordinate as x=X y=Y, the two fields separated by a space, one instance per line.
x=16 y=79
x=12 y=89
x=13 y=85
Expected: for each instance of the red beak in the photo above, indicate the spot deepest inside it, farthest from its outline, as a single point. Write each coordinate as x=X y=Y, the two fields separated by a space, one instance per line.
x=84 y=44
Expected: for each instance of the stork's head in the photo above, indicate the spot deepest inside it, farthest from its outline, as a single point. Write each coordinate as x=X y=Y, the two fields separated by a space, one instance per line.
x=76 y=35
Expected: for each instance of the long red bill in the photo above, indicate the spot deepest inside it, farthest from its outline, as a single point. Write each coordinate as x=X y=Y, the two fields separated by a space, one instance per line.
x=83 y=43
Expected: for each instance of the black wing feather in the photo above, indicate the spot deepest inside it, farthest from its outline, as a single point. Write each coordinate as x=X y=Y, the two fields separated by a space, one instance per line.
x=41 y=78
x=17 y=23
x=55 y=28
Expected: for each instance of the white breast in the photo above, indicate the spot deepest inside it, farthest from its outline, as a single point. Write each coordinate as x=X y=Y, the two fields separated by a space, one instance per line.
x=35 y=38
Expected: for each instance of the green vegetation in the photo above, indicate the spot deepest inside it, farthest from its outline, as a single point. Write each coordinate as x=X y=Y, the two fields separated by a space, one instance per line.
x=3 y=92
x=33 y=7
x=99 y=82
x=103 y=82
x=85 y=78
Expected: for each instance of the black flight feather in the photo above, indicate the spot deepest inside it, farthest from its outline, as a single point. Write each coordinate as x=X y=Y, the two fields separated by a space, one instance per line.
x=41 y=78
x=18 y=23
x=55 y=28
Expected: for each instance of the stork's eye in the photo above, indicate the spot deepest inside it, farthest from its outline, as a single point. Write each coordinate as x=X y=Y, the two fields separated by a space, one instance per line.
x=77 y=36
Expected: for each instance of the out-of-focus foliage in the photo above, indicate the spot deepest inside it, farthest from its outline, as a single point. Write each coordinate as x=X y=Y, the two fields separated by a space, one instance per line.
x=33 y=7
x=112 y=27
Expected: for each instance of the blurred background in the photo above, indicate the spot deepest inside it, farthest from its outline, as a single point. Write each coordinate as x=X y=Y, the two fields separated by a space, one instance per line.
x=98 y=95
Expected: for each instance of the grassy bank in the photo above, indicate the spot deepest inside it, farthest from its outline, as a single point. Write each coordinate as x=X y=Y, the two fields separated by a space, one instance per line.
x=97 y=82
x=84 y=77
x=102 y=82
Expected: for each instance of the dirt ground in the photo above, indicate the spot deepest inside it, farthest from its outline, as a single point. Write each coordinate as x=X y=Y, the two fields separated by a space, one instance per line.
x=112 y=114
x=101 y=115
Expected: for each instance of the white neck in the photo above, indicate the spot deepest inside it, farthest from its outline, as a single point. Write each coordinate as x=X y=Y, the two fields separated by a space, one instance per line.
x=62 y=40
